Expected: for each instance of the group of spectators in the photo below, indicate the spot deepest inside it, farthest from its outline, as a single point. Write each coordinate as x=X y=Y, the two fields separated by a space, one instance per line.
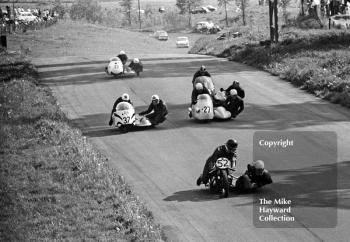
x=12 y=13
x=16 y=19
x=329 y=7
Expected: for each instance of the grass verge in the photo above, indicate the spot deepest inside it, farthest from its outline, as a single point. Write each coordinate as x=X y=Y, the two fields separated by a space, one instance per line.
x=54 y=185
x=315 y=60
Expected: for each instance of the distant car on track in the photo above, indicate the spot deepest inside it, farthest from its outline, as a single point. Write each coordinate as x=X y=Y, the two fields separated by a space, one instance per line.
x=182 y=42
x=161 y=35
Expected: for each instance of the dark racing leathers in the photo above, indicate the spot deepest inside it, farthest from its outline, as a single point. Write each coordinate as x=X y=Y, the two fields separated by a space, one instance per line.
x=137 y=67
x=200 y=73
x=219 y=152
x=156 y=112
x=123 y=58
x=234 y=105
x=195 y=94
x=119 y=100
x=251 y=180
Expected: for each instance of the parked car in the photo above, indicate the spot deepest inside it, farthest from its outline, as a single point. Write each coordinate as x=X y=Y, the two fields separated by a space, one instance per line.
x=26 y=17
x=211 y=8
x=340 y=21
x=204 y=25
x=200 y=10
x=228 y=35
x=207 y=27
x=161 y=35
x=182 y=42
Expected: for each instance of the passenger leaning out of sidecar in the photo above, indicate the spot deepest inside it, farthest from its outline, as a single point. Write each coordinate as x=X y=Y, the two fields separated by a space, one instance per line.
x=234 y=104
x=157 y=111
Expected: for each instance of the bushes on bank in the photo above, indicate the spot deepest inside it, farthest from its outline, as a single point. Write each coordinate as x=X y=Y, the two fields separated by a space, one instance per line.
x=315 y=60
x=54 y=185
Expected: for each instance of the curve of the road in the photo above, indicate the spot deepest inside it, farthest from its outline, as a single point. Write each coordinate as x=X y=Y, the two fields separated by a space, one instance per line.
x=162 y=164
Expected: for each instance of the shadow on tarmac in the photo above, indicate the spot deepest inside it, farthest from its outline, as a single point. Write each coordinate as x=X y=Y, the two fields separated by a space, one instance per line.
x=198 y=195
x=324 y=186
x=79 y=75
x=254 y=117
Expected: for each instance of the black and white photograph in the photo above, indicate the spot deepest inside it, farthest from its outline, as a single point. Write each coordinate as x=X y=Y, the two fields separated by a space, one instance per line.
x=175 y=120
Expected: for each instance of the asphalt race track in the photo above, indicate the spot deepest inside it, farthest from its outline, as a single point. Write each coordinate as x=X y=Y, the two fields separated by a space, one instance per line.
x=162 y=164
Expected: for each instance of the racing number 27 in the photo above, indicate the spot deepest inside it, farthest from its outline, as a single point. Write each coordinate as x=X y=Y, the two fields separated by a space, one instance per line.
x=206 y=109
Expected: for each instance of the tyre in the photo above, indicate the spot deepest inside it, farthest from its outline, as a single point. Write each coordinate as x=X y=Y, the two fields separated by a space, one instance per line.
x=212 y=185
x=243 y=183
x=124 y=129
x=225 y=185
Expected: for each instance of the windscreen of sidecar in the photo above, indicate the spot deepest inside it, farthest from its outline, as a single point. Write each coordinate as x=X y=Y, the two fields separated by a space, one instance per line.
x=203 y=97
x=124 y=106
x=206 y=81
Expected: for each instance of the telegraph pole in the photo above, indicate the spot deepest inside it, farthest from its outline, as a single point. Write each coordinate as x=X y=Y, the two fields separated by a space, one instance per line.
x=276 y=20
x=139 y=13
x=226 y=14
x=273 y=16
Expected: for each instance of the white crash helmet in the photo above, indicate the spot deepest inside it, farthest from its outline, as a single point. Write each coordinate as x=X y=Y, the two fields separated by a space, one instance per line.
x=155 y=97
x=125 y=97
x=235 y=82
x=122 y=52
x=198 y=86
x=233 y=92
x=259 y=164
x=136 y=60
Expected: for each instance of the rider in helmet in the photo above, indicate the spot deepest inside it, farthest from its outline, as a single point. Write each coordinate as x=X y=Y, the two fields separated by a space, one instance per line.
x=136 y=65
x=123 y=57
x=199 y=88
x=234 y=104
x=201 y=72
x=156 y=111
x=228 y=150
x=235 y=85
x=124 y=98
x=256 y=176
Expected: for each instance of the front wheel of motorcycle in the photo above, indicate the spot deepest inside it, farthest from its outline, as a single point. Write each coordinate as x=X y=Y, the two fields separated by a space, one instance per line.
x=225 y=185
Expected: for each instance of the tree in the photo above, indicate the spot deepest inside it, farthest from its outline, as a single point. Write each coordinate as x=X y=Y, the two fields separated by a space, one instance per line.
x=86 y=9
x=59 y=8
x=186 y=6
x=243 y=6
x=127 y=5
x=284 y=4
x=224 y=3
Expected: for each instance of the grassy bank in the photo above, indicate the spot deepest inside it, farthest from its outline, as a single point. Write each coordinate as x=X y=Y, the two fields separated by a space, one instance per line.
x=54 y=185
x=315 y=60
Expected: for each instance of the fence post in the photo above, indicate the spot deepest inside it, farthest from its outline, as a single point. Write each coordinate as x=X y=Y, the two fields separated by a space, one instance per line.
x=3 y=41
